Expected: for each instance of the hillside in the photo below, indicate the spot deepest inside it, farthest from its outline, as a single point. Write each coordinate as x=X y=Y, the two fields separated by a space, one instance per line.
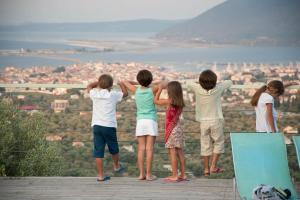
x=250 y=22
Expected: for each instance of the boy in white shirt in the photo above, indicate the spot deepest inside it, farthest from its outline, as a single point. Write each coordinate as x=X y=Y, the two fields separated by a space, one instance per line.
x=104 y=121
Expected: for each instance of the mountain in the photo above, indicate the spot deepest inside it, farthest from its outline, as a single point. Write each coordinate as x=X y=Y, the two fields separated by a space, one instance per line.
x=250 y=22
x=141 y=25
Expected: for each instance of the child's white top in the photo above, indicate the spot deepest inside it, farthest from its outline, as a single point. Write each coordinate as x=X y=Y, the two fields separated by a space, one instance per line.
x=208 y=103
x=262 y=124
x=104 y=106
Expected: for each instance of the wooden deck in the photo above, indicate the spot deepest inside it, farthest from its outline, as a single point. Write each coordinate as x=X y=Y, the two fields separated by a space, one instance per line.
x=117 y=188
x=78 y=188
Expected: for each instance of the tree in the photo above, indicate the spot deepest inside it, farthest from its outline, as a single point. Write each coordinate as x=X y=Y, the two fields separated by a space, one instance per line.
x=23 y=148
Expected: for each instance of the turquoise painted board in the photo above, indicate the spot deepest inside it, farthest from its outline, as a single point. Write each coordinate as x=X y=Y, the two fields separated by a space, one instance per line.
x=296 y=140
x=260 y=158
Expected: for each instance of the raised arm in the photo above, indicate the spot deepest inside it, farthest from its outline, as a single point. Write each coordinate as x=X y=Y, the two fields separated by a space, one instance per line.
x=157 y=84
x=157 y=100
x=133 y=82
x=290 y=84
x=131 y=87
x=123 y=88
x=91 y=86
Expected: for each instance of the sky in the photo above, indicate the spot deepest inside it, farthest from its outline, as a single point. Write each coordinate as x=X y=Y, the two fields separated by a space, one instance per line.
x=58 y=11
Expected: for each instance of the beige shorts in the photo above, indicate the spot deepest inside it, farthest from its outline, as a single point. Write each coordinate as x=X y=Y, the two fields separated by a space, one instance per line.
x=212 y=137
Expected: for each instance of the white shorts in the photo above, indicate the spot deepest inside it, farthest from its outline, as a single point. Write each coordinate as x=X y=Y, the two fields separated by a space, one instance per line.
x=146 y=127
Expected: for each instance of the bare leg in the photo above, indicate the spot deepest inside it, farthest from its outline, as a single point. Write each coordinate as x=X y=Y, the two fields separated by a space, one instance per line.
x=174 y=163
x=181 y=157
x=99 y=164
x=116 y=159
x=206 y=164
x=141 y=153
x=149 y=151
x=214 y=161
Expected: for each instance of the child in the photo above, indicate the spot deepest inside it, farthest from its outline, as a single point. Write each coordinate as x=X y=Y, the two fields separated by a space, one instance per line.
x=174 y=139
x=146 y=127
x=263 y=100
x=209 y=114
x=104 y=121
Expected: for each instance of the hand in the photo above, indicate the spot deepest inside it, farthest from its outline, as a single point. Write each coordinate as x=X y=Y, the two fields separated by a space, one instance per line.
x=163 y=84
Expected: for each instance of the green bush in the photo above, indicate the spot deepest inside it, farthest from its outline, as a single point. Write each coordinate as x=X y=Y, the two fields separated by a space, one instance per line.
x=23 y=149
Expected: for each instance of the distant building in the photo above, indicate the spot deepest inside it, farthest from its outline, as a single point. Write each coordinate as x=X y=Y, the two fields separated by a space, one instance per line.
x=21 y=97
x=59 y=105
x=74 y=96
x=78 y=144
x=54 y=138
x=129 y=148
x=84 y=113
x=28 y=108
x=59 y=91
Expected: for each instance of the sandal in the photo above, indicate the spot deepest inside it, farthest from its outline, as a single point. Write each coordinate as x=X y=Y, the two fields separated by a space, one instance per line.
x=106 y=178
x=218 y=170
x=183 y=179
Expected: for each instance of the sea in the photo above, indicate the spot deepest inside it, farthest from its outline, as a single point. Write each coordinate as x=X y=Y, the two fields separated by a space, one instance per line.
x=178 y=58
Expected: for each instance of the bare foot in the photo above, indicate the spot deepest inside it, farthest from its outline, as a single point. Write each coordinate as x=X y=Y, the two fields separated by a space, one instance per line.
x=142 y=177
x=182 y=177
x=151 y=178
x=172 y=178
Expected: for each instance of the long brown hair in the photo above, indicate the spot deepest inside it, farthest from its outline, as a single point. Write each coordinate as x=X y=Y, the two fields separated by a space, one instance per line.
x=175 y=94
x=275 y=86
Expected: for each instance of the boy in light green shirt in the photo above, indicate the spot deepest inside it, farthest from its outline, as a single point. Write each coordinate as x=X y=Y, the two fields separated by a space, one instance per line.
x=209 y=114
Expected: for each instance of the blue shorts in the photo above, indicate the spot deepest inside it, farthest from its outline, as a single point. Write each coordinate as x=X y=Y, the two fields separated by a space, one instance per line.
x=102 y=136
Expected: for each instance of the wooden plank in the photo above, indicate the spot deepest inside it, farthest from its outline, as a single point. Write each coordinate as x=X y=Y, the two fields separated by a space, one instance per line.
x=78 y=188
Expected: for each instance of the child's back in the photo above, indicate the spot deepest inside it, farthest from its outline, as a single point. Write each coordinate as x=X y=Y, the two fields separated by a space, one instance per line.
x=145 y=103
x=104 y=106
x=208 y=103
x=209 y=114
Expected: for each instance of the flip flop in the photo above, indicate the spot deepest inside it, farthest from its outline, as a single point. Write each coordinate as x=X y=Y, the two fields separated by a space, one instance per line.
x=183 y=179
x=218 y=170
x=152 y=178
x=168 y=180
x=106 y=178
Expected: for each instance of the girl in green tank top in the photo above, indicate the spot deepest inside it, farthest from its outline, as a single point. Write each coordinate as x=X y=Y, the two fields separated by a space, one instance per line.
x=145 y=103
x=146 y=110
